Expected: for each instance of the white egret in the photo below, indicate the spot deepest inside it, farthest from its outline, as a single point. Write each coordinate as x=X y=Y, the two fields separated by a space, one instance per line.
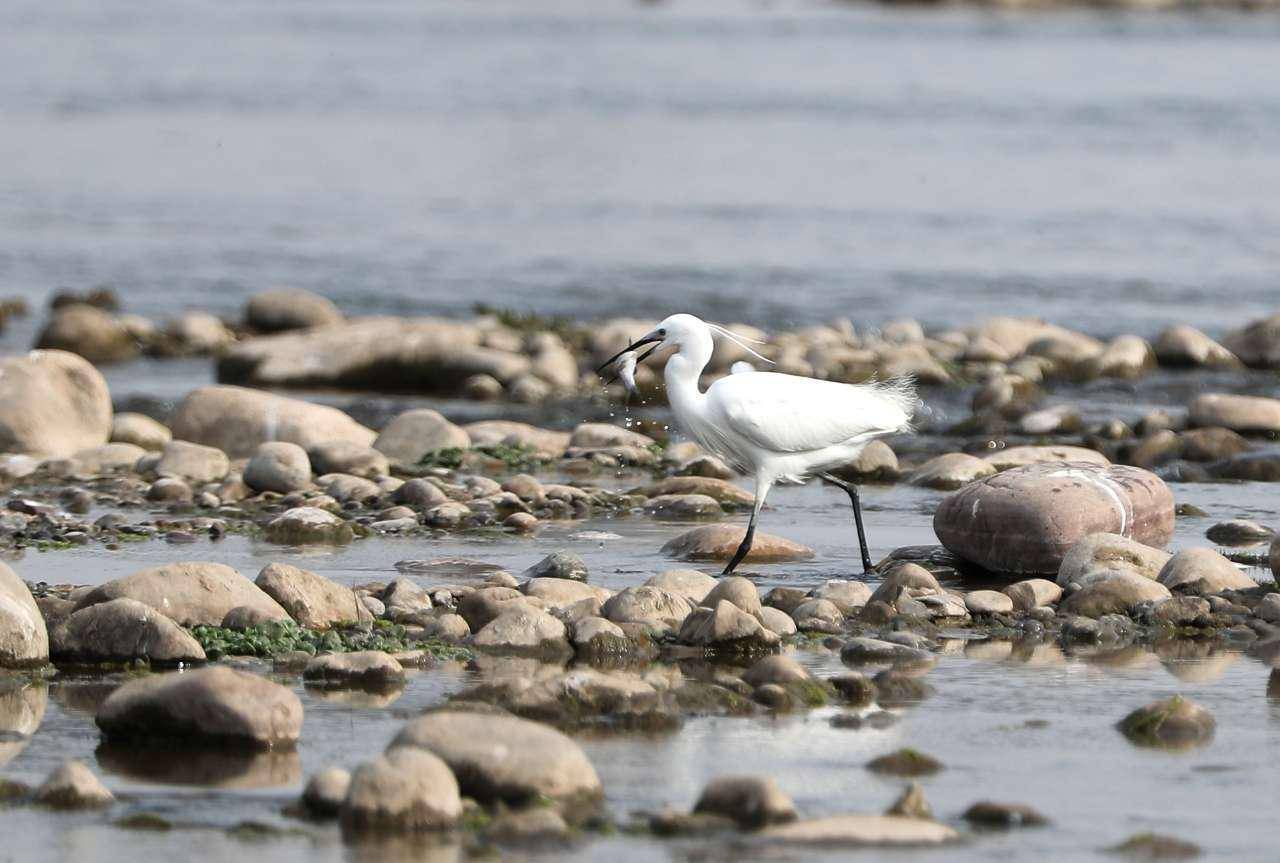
x=775 y=427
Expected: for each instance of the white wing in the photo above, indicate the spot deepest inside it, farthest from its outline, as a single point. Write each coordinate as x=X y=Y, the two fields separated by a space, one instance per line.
x=788 y=413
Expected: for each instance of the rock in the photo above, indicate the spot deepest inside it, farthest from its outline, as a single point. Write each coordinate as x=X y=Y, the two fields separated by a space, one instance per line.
x=414 y=433
x=90 y=332
x=419 y=493
x=1239 y=532
x=53 y=404
x=307 y=525
x=1112 y=591
x=911 y=804
x=285 y=309
x=73 y=786
x=751 y=802
x=562 y=592
x=725 y=627
x=404 y=601
x=1180 y=611
x=778 y=622
x=660 y=612
x=717 y=489
x=1124 y=357
x=1204 y=571
x=312 y=600
x=857 y=831
x=1172 y=723
x=1026 y=519
x=139 y=430
x=547 y=443
x=122 y=630
x=683 y=506
x=559 y=564
x=689 y=583
x=191 y=594
x=909 y=577
x=905 y=762
x=897 y=689
x=720 y=541
x=184 y=460
x=818 y=615
x=855 y=689
x=345 y=488
x=1274 y=558
x=1033 y=593
x=405 y=789
x=605 y=436
x=24 y=641
x=280 y=467
x=237 y=420
x=367 y=669
x=737 y=590
x=214 y=706
x=325 y=791
x=708 y=466
x=779 y=669
x=847 y=595
x=170 y=490
x=349 y=458
x=446 y=627
x=1022 y=456
x=950 y=471
x=198 y=333
x=1246 y=414
x=1263 y=466
x=479 y=607
x=1153 y=846
x=989 y=814
x=107 y=458
x=876 y=463
x=988 y=602
x=1184 y=346
x=498 y=757
x=1110 y=551
x=863 y=651
x=597 y=635
x=1258 y=344
x=523 y=630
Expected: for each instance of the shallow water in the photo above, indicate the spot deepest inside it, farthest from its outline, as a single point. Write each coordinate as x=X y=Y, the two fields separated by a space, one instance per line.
x=775 y=162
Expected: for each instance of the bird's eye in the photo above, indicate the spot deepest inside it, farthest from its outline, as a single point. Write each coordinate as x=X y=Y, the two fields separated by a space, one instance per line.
x=662 y=333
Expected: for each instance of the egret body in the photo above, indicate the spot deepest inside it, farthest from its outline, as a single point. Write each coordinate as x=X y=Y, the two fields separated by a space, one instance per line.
x=775 y=427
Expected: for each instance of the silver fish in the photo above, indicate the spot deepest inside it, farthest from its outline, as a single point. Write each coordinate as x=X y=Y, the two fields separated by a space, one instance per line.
x=625 y=368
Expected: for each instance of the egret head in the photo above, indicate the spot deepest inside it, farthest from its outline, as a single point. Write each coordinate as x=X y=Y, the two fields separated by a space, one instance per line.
x=679 y=331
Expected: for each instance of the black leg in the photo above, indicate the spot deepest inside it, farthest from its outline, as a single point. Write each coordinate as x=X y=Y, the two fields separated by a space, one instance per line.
x=852 y=490
x=744 y=547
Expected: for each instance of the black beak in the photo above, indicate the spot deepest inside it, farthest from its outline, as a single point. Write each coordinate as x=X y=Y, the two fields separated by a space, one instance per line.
x=647 y=340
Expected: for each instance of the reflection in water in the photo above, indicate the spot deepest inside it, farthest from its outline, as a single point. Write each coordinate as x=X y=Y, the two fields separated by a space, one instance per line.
x=356 y=697
x=1130 y=657
x=424 y=848
x=208 y=768
x=84 y=695
x=22 y=705
x=1195 y=661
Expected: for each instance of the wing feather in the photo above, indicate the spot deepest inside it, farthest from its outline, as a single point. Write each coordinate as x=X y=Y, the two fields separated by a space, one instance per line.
x=789 y=413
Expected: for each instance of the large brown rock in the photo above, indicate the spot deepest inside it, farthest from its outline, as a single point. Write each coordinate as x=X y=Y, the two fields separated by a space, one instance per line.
x=52 y=403
x=122 y=630
x=497 y=757
x=90 y=332
x=1238 y=413
x=189 y=593
x=211 y=706
x=312 y=600
x=1257 y=344
x=236 y=420
x=24 y=641
x=720 y=541
x=1026 y=519
x=414 y=433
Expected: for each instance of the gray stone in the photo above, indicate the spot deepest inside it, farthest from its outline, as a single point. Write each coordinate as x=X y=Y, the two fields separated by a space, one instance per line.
x=414 y=433
x=498 y=757
x=53 y=404
x=323 y=795
x=859 y=831
x=24 y=640
x=215 y=705
x=307 y=525
x=190 y=594
x=122 y=630
x=284 y=309
x=559 y=564
x=192 y=462
x=1033 y=593
x=406 y=789
x=280 y=467
x=1110 y=551
x=726 y=627
x=237 y=420
x=73 y=786
x=1245 y=414
x=951 y=471
x=368 y=669
x=312 y=600
x=750 y=801
x=1203 y=570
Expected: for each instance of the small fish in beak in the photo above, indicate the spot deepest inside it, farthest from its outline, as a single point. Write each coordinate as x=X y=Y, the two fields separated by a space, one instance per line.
x=625 y=369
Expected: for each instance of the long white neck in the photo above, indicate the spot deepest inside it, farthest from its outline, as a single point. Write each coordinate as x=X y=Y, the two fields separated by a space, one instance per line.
x=683 y=372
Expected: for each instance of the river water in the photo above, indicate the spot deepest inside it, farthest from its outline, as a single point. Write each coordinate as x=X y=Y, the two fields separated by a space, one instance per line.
x=776 y=162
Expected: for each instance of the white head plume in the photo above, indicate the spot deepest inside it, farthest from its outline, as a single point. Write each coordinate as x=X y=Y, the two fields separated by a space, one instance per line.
x=740 y=341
